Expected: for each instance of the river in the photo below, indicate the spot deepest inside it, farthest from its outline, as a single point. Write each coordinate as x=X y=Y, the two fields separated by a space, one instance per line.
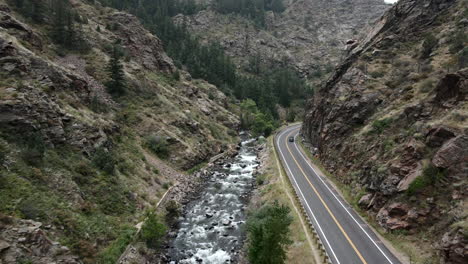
x=212 y=229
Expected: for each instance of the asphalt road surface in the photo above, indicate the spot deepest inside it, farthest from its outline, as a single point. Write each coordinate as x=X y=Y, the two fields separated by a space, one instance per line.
x=346 y=237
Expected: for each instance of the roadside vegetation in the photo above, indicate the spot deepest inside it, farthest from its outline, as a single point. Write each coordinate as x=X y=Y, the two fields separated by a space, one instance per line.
x=272 y=188
x=414 y=247
x=269 y=234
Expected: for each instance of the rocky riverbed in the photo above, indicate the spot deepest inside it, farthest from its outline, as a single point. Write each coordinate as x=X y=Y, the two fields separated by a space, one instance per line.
x=211 y=229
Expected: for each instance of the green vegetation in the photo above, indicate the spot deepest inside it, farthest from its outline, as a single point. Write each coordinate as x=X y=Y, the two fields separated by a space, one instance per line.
x=32 y=9
x=430 y=176
x=153 y=231
x=65 y=24
x=158 y=145
x=37 y=193
x=252 y=9
x=254 y=120
x=112 y=253
x=458 y=41
x=377 y=74
x=172 y=212
x=104 y=160
x=426 y=86
x=197 y=167
x=270 y=84
x=3 y=152
x=428 y=45
x=260 y=179
x=116 y=85
x=378 y=126
x=33 y=153
x=269 y=234
x=463 y=58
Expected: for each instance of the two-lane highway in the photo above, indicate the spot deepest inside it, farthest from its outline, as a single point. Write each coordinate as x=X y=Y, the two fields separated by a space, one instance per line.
x=347 y=239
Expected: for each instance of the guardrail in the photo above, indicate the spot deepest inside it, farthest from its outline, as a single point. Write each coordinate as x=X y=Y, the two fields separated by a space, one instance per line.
x=325 y=258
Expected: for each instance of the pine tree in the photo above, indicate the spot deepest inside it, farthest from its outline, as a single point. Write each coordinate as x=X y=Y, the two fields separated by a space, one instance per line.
x=58 y=33
x=70 y=34
x=39 y=10
x=116 y=85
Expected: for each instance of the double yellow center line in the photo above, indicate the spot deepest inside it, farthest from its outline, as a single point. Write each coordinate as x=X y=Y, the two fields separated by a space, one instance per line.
x=324 y=204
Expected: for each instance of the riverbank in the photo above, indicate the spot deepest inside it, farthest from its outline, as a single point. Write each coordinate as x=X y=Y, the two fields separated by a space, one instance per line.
x=211 y=227
x=272 y=186
x=186 y=187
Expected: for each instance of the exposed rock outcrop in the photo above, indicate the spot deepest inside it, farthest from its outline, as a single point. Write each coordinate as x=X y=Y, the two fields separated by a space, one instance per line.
x=79 y=159
x=27 y=240
x=310 y=35
x=385 y=126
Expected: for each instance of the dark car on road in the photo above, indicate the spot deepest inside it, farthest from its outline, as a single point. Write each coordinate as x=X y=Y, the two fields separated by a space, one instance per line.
x=291 y=139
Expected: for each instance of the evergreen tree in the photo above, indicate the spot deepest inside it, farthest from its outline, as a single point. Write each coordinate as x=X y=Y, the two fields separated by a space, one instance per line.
x=269 y=234
x=59 y=29
x=117 y=84
x=39 y=10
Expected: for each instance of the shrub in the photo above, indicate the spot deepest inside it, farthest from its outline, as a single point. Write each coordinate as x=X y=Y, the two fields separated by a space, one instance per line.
x=34 y=149
x=260 y=179
x=457 y=41
x=176 y=75
x=197 y=167
x=166 y=185
x=426 y=86
x=269 y=234
x=431 y=175
x=112 y=253
x=172 y=211
x=158 y=145
x=291 y=116
x=84 y=172
x=3 y=152
x=379 y=126
x=377 y=74
x=153 y=231
x=463 y=58
x=429 y=43
x=104 y=160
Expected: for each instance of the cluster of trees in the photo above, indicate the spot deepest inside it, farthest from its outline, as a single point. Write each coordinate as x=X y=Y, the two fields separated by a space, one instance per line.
x=153 y=231
x=267 y=86
x=252 y=9
x=252 y=119
x=269 y=234
x=65 y=25
x=32 y=9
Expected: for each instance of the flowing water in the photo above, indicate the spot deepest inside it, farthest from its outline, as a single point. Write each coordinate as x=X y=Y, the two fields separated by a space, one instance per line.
x=212 y=229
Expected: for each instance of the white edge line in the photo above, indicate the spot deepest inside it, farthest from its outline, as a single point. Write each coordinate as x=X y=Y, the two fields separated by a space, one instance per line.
x=310 y=210
x=316 y=174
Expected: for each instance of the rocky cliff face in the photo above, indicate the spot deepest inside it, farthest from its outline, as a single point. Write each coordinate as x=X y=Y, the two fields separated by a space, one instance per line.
x=60 y=132
x=392 y=123
x=310 y=35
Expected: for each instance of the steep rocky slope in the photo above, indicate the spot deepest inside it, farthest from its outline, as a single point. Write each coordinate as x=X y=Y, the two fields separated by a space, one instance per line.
x=310 y=35
x=392 y=123
x=76 y=161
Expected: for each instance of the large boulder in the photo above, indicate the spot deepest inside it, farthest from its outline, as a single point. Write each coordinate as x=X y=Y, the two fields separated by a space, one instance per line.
x=438 y=135
x=454 y=152
x=394 y=216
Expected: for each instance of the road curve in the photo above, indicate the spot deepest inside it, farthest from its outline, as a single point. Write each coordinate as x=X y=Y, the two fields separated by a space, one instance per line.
x=346 y=237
